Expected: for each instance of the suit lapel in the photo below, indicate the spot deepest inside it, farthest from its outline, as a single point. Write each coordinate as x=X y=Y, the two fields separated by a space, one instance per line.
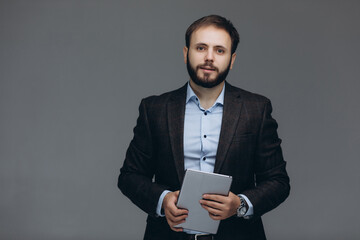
x=231 y=115
x=176 y=112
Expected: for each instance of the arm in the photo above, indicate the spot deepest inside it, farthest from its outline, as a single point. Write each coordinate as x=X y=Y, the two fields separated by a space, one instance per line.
x=272 y=182
x=135 y=179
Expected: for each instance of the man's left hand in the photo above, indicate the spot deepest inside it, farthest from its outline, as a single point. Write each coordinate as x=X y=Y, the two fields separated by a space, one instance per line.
x=220 y=207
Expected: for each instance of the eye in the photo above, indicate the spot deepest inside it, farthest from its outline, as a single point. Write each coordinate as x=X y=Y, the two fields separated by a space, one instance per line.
x=220 y=51
x=200 y=48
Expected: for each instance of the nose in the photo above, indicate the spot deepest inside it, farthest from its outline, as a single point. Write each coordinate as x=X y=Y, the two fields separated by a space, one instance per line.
x=209 y=55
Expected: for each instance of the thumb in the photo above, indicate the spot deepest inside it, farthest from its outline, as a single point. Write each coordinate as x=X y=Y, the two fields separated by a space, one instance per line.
x=177 y=193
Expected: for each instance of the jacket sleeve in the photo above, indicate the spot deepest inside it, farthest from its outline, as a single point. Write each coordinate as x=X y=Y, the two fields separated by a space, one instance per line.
x=135 y=179
x=271 y=179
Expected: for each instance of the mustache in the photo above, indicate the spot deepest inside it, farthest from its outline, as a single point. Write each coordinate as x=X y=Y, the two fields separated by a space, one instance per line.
x=208 y=65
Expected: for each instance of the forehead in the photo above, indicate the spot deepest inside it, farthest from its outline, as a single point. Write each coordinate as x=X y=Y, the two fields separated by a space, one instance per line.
x=211 y=36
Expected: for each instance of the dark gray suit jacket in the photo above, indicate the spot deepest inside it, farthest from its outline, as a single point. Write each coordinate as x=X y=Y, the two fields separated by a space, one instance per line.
x=249 y=151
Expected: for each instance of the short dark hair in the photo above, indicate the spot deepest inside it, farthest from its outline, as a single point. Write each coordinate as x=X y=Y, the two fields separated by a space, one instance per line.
x=217 y=21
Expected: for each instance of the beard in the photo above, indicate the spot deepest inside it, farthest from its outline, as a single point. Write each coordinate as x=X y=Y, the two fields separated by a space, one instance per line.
x=205 y=81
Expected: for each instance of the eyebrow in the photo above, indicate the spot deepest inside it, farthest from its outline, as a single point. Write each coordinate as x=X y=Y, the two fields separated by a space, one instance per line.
x=204 y=44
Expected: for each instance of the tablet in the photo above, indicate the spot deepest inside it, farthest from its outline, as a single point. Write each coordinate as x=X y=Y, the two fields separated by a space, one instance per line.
x=195 y=184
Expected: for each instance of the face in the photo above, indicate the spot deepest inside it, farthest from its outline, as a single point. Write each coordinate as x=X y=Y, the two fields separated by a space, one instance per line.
x=209 y=58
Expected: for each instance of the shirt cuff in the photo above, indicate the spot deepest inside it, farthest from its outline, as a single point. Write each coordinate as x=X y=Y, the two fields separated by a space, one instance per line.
x=250 y=211
x=161 y=199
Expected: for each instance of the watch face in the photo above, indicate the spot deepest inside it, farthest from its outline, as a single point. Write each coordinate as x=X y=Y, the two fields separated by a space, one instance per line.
x=242 y=211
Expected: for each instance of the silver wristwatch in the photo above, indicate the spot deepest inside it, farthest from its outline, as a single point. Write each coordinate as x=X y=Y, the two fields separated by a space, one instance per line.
x=243 y=208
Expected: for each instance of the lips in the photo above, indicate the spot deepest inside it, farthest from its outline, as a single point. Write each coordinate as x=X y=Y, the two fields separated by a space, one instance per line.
x=208 y=68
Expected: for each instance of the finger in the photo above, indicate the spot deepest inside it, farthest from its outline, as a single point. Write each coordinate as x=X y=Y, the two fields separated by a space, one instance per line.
x=180 y=211
x=173 y=224
x=176 y=214
x=177 y=229
x=212 y=211
x=212 y=204
x=215 y=197
x=177 y=211
x=177 y=219
x=216 y=217
x=176 y=222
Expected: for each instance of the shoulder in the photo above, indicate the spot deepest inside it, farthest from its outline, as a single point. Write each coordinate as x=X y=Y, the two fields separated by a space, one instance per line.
x=155 y=101
x=245 y=95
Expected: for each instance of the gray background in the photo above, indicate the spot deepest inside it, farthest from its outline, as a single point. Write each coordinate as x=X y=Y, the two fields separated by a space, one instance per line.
x=72 y=74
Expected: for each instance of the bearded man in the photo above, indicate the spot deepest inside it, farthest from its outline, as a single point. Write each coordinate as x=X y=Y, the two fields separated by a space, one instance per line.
x=212 y=126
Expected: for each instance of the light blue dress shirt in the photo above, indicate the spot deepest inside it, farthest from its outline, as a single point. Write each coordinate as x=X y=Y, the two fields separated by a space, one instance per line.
x=201 y=137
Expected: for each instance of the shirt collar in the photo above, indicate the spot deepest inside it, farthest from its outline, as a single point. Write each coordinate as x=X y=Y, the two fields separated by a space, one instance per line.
x=190 y=95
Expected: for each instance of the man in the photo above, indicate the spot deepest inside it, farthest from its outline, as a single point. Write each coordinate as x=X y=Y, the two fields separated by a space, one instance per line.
x=211 y=126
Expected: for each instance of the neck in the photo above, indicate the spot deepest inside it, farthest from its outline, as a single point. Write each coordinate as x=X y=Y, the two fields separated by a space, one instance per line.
x=207 y=96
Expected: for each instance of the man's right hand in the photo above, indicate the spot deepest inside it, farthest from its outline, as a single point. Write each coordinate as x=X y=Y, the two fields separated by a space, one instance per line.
x=173 y=214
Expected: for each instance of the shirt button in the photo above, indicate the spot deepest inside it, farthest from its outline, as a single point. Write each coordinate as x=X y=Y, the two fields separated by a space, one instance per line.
x=204 y=158
x=204 y=136
x=205 y=113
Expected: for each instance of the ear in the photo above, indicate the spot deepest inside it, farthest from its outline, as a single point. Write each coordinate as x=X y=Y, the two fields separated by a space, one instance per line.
x=233 y=57
x=185 y=52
